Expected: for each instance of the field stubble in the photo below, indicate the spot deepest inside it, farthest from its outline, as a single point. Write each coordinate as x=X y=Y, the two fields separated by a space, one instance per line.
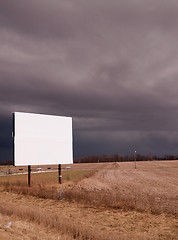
x=148 y=189
x=114 y=200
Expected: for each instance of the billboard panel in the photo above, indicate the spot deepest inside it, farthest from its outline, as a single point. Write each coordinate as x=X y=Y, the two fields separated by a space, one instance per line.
x=42 y=139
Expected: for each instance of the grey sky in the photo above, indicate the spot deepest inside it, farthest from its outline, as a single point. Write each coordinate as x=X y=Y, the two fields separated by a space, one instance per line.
x=111 y=65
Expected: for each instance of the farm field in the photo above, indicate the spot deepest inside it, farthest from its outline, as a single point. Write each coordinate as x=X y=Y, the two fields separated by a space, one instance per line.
x=99 y=201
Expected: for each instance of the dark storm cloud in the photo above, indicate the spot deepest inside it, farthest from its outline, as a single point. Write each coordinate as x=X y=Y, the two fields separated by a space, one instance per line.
x=6 y=144
x=111 y=65
x=36 y=18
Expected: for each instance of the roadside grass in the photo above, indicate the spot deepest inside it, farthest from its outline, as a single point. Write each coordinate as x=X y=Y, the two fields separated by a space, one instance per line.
x=116 y=200
x=53 y=221
x=98 y=198
x=84 y=222
x=45 y=185
x=46 y=178
x=167 y=167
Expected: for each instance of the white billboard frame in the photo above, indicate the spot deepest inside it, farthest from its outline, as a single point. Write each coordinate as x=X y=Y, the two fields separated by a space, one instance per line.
x=41 y=139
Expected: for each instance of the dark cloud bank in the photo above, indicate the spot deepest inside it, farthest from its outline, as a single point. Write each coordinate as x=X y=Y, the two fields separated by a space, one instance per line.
x=111 y=65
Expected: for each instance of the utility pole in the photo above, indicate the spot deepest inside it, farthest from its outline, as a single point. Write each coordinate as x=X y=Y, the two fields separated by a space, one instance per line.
x=135 y=152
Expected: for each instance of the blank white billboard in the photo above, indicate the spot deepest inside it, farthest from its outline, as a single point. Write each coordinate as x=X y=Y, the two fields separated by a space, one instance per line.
x=42 y=139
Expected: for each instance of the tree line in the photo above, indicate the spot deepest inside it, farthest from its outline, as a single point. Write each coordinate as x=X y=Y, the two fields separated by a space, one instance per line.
x=114 y=158
x=123 y=158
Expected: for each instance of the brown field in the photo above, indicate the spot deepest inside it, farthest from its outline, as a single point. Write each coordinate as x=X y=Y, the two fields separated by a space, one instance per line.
x=99 y=201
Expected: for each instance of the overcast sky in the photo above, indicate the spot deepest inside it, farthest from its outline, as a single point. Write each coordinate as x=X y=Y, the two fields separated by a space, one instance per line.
x=111 y=65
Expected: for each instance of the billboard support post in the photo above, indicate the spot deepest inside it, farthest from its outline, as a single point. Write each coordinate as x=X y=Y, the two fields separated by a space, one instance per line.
x=29 y=175
x=59 y=171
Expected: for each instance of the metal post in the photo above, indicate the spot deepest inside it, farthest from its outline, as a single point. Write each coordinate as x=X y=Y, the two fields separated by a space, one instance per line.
x=135 y=157
x=60 y=176
x=29 y=175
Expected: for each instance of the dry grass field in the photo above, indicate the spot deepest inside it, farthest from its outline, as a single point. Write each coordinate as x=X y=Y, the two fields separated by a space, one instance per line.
x=99 y=201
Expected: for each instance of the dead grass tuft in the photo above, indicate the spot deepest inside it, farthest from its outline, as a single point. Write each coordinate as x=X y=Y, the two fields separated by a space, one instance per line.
x=105 y=198
x=110 y=187
x=142 y=203
x=52 y=221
